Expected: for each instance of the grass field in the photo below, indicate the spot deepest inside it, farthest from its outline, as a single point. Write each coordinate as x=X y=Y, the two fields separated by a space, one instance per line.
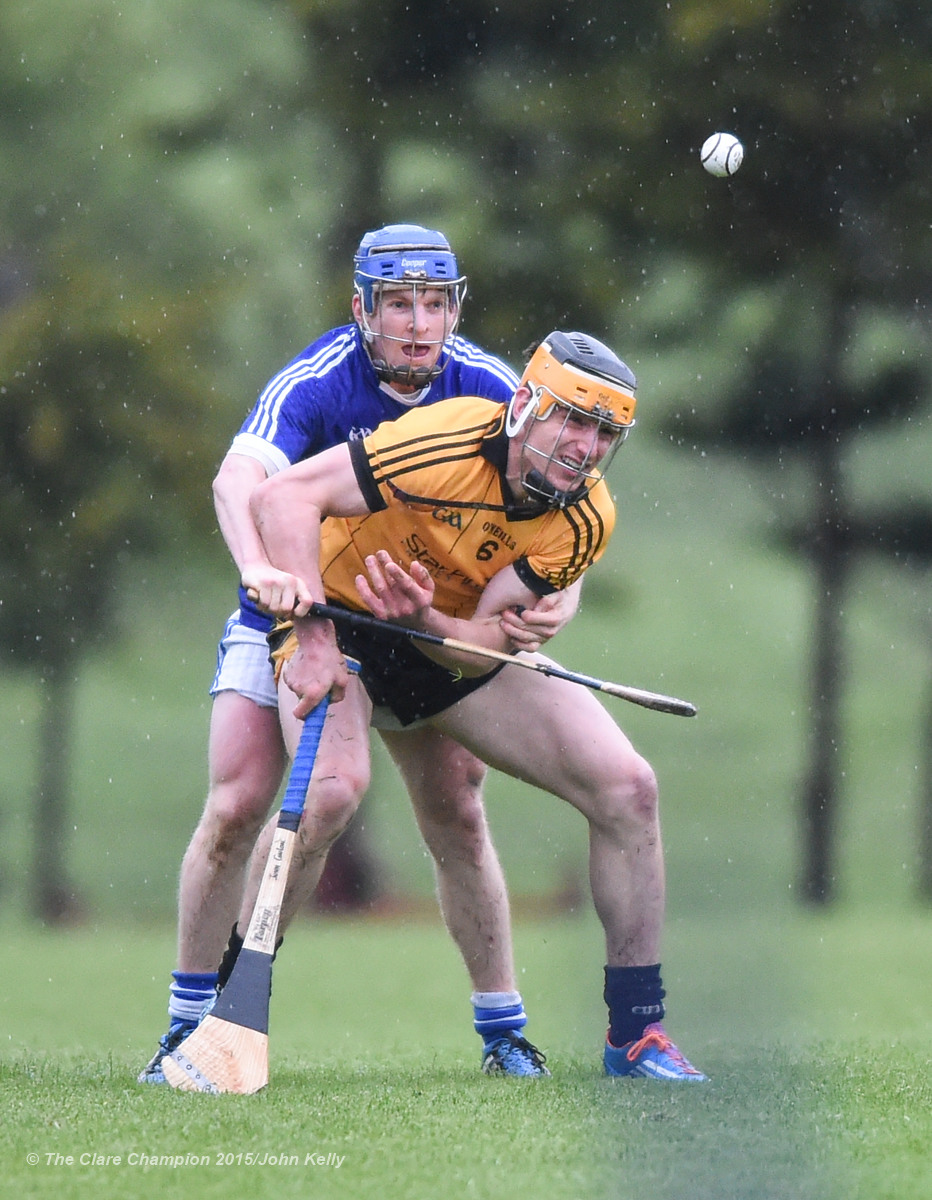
x=815 y=1027
x=809 y=1027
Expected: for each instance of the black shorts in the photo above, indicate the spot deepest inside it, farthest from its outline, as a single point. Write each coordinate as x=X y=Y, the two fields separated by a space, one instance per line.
x=397 y=676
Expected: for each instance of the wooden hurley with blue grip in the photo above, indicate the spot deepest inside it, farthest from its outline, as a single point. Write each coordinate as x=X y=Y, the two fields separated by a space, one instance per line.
x=229 y=1050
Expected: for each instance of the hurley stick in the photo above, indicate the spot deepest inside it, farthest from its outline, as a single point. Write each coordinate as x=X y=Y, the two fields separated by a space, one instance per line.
x=667 y=704
x=229 y=1050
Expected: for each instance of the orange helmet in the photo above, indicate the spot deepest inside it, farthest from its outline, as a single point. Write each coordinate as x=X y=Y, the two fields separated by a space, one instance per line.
x=575 y=372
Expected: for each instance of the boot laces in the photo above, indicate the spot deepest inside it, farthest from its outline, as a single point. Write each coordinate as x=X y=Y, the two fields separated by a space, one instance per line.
x=656 y=1036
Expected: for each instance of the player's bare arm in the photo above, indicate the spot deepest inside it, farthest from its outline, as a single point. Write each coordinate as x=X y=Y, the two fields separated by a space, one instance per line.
x=274 y=590
x=528 y=628
x=288 y=509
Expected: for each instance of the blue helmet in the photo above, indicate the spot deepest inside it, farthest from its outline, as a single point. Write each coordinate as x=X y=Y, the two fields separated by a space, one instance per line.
x=406 y=256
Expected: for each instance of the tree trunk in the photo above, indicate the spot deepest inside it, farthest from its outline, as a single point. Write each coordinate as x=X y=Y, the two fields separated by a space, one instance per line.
x=53 y=896
x=820 y=790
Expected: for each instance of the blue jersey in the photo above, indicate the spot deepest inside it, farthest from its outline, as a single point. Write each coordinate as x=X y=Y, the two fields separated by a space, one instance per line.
x=330 y=394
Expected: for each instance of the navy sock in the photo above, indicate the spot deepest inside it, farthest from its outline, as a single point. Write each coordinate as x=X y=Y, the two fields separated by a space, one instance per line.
x=231 y=954
x=634 y=996
x=228 y=962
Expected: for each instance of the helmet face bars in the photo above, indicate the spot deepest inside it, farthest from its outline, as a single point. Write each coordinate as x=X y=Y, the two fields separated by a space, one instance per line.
x=577 y=374
x=415 y=259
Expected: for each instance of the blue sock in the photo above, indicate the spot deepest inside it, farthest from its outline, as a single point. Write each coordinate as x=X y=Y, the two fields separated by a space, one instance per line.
x=190 y=993
x=497 y=1013
x=634 y=996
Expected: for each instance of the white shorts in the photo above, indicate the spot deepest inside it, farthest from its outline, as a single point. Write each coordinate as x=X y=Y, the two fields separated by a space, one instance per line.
x=243 y=664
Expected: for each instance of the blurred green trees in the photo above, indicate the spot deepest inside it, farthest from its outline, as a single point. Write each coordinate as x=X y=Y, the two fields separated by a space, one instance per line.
x=186 y=183
x=148 y=242
x=561 y=144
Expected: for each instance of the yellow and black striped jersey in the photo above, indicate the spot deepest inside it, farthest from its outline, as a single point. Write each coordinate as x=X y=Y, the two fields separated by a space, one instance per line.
x=434 y=481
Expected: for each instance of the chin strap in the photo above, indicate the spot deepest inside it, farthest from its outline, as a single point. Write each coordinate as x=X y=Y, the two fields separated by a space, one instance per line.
x=418 y=376
x=543 y=489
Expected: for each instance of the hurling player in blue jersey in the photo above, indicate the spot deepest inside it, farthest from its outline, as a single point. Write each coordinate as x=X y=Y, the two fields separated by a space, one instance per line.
x=400 y=350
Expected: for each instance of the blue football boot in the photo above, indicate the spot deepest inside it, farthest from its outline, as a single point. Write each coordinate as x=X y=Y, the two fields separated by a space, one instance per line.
x=512 y=1054
x=652 y=1055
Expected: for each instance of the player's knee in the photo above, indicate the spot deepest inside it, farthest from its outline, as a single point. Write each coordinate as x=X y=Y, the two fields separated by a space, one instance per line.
x=461 y=819
x=235 y=812
x=243 y=790
x=333 y=801
x=457 y=830
x=468 y=777
x=454 y=801
x=632 y=801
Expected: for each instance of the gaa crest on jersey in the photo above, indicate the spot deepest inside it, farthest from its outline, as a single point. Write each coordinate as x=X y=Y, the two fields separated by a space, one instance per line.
x=449 y=516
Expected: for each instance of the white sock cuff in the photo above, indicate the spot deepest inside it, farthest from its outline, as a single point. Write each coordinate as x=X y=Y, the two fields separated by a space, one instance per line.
x=496 y=999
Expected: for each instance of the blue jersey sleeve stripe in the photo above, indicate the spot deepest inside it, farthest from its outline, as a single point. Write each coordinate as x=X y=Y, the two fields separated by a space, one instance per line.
x=470 y=355
x=265 y=420
x=281 y=384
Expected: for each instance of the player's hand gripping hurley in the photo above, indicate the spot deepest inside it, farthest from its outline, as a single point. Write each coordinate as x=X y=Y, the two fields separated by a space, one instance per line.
x=229 y=1050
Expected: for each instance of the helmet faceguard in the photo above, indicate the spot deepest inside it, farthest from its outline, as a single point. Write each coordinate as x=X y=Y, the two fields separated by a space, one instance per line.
x=416 y=259
x=572 y=373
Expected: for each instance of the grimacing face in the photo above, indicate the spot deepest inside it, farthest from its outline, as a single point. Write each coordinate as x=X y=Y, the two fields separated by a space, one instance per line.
x=565 y=447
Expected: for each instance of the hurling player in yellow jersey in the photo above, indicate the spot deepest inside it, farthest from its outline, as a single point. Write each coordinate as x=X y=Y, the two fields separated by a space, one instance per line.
x=445 y=521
